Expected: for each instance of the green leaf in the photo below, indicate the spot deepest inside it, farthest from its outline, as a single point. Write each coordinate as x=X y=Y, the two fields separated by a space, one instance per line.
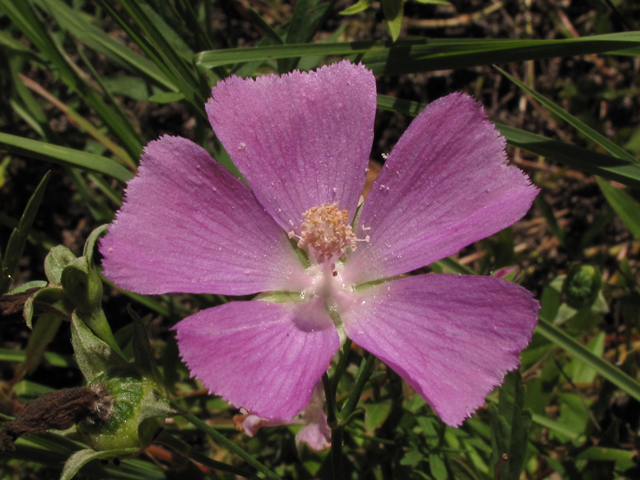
x=18 y=237
x=28 y=286
x=93 y=36
x=53 y=300
x=63 y=156
x=570 y=155
x=90 y=243
x=509 y=428
x=24 y=17
x=53 y=359
x=55 y=262
x=142 y=353
x=393 y=12
x=163 y=46
x=606 y=454
x=166 y=97
x=375 y=415
x=625 y=206
x=300 y=29
x=93 y=355
x=579 y=351
x=548 y=215
x=429 y=54
x=585 y=130
x=582 y=373
x=267 y=30
x=358 y=7
x=80 y=458
x=434 y=2
x=42 y=334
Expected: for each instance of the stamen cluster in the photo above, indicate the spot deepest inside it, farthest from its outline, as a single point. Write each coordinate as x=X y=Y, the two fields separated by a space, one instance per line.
x=325 y=233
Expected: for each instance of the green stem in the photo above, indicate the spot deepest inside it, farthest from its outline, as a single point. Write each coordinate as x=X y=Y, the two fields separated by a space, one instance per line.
x=336 y=429
x=361 y=379
x=337 y=435
x=342 y=364
x=185 y=450
x=229 y=445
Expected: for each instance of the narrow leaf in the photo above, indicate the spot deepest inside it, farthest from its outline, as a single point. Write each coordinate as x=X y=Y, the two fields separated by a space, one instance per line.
x=19 y=235
x=625 y=206
x=570 y=155
x=63 y=156
x=585 y=130
x=579 y=351
x=80 y=458
x=358 y=7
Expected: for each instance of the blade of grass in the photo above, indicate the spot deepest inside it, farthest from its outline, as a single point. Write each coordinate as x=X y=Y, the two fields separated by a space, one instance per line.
x=585 y=130
x=63 y=156
x=570 y=155
x=624 y=205
x=580 y=352
x=229 y=445
x=18 y=237
x=53 y=359
x=35 y=237
x=79 y=121
x=24 y=17
x=299 y=28
x=427 y=54
x=76 y=24
x=262 y=25
x=162 y=51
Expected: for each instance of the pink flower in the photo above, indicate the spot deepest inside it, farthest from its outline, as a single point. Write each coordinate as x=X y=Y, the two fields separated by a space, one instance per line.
x=302 y=142
x=315 y=433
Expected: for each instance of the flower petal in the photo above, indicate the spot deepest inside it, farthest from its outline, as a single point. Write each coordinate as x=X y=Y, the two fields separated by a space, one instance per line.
x=445 y=185
x=264 y=357
x=300 y=140
x=451 y=337
x=188 y=225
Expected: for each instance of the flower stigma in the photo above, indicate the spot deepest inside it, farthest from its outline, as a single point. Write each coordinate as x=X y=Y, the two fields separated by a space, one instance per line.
x=325 y=233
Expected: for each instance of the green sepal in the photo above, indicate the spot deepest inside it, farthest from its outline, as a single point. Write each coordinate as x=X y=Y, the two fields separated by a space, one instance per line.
x=510 y=424
x=358 y=7
x=55 y=262
x=83 y=285
x=90 y=244
x=93 y=355
x=137 y=414
x=28 y=286
x=582 y=286
x=50 y=300
x=80 y=458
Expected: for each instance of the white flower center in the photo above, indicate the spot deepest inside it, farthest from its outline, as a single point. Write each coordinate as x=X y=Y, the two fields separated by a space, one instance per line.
x=326 y=236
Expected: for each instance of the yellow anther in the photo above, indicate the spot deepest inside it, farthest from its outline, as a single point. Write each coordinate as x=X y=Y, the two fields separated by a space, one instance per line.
x=325 y=233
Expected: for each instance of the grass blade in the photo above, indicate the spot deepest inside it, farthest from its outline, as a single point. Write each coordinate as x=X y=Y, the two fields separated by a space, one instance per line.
x=18 y=238
x=585 y=130
x=429 y=54
x=92 y=36
x=567 y=154
x=580 y=352
x=63 y=156
x=625 y=206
